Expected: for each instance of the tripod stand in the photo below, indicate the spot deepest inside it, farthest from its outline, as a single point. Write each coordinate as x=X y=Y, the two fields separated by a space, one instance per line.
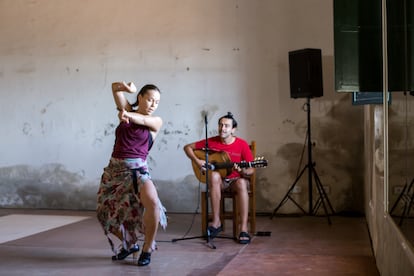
x=408 y=201
x=312 y=174
x=207 y=235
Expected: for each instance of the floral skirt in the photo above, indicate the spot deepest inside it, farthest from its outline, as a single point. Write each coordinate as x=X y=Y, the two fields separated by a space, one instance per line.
x=119 y=209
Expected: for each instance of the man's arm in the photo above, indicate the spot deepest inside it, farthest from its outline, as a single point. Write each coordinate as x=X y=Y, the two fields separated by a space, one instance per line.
x=247 y=156
x=189 y=151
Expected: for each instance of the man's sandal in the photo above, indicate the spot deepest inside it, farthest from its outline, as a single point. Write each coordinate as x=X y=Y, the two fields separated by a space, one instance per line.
x=213 y=231
x=244 y=238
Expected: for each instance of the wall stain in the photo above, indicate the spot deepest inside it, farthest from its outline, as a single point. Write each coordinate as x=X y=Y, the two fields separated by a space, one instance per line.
x=44 y=109
x=43 y=128
x=50 y=186
x=169 y=129
x=108 y=130
x=27 y=129
x=288 y=121
x=337 y=150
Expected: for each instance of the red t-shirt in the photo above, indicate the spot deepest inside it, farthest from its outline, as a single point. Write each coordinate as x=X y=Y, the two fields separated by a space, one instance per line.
x=238 y=151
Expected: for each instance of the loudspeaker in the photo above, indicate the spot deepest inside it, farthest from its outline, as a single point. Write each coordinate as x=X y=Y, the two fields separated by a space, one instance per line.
x=305 y=70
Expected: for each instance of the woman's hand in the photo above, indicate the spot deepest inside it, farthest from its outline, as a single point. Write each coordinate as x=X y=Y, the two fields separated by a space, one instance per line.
x=123 y=116
x=130 y=86
x=123 y=86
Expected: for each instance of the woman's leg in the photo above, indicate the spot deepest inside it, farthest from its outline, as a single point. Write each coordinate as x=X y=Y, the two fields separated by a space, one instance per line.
x=149 y=198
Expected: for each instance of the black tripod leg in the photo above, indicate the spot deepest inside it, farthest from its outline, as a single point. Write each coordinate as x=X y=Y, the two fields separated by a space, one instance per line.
x=325 y=196
x=400 y=196
x=409 y=203
x=287 y=195
x=322 y=199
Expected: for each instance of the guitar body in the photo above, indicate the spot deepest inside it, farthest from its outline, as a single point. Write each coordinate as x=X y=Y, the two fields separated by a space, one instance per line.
x=214 y=157
x=219 y=161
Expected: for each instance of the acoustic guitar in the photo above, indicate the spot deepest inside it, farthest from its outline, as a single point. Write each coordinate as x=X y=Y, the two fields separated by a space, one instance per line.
x=220 y=161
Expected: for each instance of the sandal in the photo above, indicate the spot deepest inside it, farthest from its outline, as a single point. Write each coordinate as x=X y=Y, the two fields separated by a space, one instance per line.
x=244 y=238
x=212 y=231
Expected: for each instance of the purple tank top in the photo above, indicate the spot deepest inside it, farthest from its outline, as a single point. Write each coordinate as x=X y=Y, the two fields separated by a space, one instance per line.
x=131 y=141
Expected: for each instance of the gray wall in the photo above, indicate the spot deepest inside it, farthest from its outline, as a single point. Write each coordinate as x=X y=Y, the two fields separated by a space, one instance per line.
x=58 y=117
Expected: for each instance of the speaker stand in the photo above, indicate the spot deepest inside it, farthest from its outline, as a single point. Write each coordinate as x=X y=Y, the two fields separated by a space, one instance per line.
x=312 y=175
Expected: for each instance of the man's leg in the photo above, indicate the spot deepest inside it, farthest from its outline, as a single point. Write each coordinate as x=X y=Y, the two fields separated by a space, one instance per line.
x=240 y=188
x=215 y=196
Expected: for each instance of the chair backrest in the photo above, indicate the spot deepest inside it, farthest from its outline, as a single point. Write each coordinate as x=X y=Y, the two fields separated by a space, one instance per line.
x=253 y=177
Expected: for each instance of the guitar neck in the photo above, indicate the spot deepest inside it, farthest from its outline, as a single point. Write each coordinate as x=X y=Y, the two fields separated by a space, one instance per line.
x=228 y=165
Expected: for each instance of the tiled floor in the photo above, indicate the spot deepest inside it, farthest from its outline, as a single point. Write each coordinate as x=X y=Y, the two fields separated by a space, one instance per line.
x=297 y=246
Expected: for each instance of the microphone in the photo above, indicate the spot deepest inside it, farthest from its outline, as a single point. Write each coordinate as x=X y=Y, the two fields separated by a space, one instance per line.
x=209 y=166
x=204 y=114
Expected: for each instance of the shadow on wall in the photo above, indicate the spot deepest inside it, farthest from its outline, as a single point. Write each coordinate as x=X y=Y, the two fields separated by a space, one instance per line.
x=337 y=150
x=49 y=186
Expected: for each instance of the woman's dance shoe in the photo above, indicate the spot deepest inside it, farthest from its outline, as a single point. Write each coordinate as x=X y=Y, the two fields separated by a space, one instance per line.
x=125 y=253
x=144 y=258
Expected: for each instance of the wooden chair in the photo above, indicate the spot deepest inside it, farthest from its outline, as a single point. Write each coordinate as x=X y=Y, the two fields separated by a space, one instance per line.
x=234 y=214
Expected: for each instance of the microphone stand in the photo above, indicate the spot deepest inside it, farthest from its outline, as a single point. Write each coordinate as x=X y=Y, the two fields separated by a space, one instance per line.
x=207 y=167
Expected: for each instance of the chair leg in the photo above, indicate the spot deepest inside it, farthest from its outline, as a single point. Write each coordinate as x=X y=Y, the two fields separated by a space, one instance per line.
x=222 y=211
x=252 y=218
x=236 y=216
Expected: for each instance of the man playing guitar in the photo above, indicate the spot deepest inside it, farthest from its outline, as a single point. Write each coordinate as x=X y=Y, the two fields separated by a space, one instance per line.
x=238 y=180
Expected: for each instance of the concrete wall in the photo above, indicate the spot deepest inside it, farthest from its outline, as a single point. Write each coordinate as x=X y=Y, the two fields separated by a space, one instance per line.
x=58 y=117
